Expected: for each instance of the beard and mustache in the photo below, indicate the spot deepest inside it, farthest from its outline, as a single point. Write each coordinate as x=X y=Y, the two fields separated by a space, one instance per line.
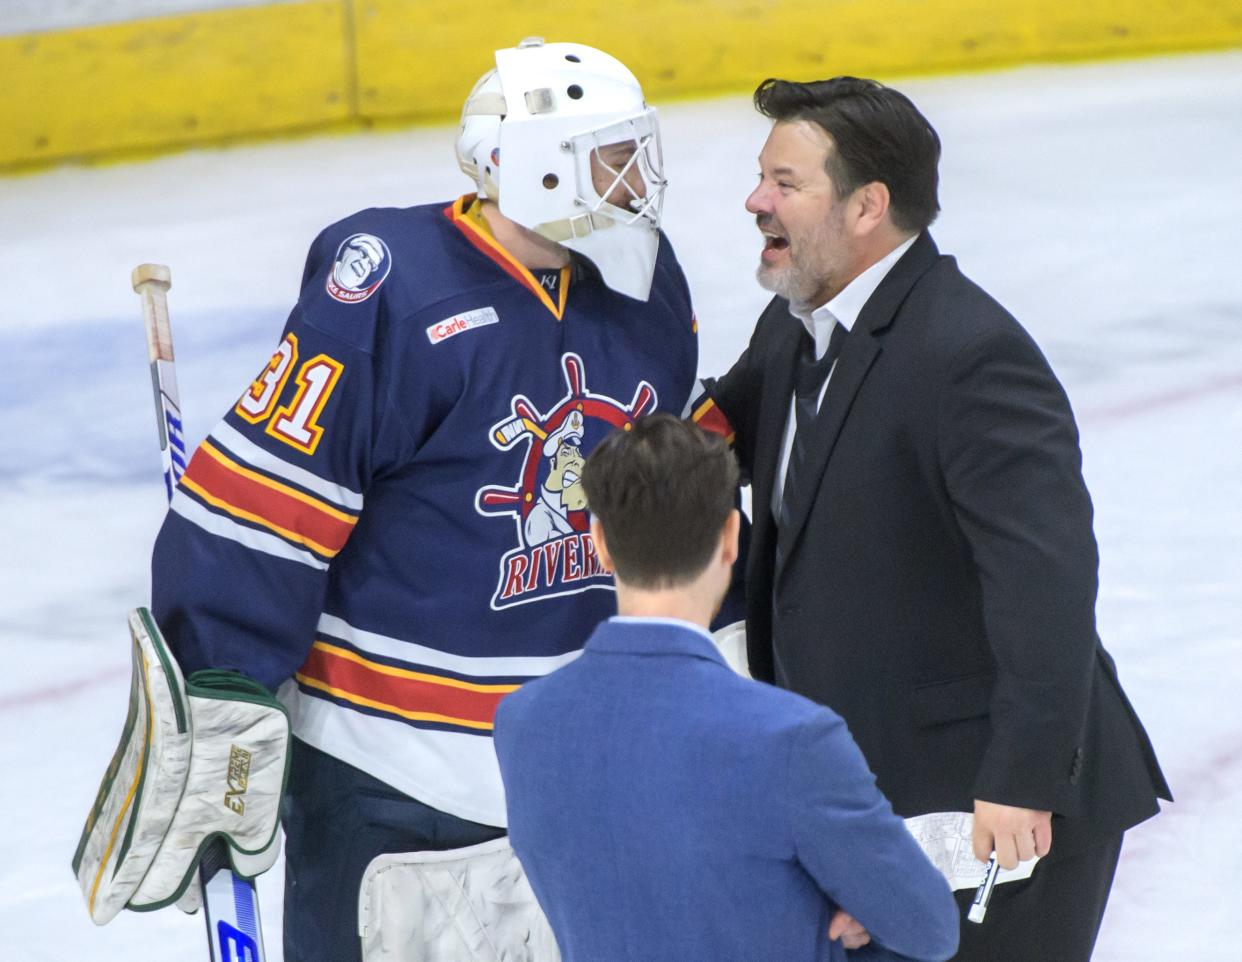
x=807 y=280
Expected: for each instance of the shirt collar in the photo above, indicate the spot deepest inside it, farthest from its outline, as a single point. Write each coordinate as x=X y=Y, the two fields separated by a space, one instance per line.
x=847 y=305
x=652 y=620
x=651 y=636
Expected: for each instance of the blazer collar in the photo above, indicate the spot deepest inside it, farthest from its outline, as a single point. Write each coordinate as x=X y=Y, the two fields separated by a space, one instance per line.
x=881 y=307
x=652 y=637
x=861 y=349
x=778 y=381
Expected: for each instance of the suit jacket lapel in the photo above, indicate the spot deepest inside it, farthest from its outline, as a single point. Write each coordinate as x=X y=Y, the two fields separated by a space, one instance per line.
x=852 y=367
x=861 y=349
x=778 y=380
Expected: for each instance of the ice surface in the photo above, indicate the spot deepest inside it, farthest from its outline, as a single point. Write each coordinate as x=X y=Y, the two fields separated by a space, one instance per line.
x=1102 y=204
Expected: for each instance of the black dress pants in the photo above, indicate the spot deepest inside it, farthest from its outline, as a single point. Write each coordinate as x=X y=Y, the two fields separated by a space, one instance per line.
x=1054 y=916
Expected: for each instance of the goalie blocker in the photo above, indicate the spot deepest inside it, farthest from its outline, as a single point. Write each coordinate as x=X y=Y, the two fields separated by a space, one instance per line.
x=198 y=759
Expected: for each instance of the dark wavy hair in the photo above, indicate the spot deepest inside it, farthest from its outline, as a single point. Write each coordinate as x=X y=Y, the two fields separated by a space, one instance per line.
x=878 y=135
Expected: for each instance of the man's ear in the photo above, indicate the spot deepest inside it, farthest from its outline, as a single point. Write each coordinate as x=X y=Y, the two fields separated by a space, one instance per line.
x=601 y=544
x=729 y=537
x=870 y=206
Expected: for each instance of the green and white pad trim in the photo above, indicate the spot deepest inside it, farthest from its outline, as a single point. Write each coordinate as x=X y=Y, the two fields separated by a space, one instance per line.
x=197 y=760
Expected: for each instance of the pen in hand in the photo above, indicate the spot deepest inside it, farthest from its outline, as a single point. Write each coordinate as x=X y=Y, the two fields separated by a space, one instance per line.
x=979 y=907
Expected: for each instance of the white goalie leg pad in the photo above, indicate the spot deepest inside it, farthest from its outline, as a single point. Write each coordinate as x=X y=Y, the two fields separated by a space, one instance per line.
x=197 y=760
x=470 y=904
x=143 y=783
x=731 y=640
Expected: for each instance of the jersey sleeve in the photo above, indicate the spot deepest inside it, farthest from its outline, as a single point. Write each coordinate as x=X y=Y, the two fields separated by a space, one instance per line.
x=273 y=494
x=729 y=405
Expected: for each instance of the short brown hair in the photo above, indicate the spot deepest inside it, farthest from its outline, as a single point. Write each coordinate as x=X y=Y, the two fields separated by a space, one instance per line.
x=877 y=134
x=662 y=492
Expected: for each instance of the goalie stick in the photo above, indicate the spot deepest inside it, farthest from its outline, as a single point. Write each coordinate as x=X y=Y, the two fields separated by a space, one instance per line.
x=231 y=903
x=152 y=281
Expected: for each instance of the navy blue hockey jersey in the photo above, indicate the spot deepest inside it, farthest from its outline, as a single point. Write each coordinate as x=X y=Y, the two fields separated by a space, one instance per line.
x=392 y=514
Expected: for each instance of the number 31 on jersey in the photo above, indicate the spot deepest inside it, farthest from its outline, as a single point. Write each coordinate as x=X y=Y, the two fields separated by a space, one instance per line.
x=294 y=423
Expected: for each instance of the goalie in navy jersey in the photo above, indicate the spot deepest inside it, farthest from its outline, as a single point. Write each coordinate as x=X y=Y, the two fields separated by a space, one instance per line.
x=388 y=526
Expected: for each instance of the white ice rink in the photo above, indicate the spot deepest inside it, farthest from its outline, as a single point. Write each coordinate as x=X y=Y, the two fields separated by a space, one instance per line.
x=1102 y=204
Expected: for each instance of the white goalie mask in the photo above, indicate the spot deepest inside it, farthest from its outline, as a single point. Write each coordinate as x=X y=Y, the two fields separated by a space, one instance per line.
x=528 y=133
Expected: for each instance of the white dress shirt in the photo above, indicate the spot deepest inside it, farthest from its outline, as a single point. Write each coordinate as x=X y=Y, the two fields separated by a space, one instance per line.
x=844 y=310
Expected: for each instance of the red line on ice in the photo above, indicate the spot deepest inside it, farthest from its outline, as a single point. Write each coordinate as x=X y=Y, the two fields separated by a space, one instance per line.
x=43 y=696
x=1141 y=406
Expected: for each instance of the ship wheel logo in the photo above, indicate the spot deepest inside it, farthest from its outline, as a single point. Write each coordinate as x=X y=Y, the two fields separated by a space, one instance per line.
x=555 y=555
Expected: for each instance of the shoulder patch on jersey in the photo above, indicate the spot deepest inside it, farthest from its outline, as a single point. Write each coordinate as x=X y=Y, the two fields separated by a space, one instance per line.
x=362 y=263
x=481 y=317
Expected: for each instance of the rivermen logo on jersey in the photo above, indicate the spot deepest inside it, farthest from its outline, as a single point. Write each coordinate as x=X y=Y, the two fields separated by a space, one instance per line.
x=555 y=554
x=362 y=263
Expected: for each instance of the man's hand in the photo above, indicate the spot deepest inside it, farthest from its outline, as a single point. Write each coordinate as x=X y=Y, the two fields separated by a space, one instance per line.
x=848 y=929
x=1015 y=834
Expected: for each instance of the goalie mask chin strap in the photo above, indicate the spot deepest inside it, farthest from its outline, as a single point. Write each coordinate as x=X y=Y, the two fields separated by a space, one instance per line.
x=572 y=227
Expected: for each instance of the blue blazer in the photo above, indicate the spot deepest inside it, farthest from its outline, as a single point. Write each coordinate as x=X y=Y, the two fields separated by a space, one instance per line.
x=665 y=808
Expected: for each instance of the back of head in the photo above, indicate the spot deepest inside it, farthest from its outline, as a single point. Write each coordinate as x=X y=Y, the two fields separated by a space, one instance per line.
x=878 y=135
x=528 y=130
x=662 y=492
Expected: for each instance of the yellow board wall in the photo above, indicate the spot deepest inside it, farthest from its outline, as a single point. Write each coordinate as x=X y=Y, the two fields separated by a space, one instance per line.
x=681 y=48
x=254 y=71
x=170 y=81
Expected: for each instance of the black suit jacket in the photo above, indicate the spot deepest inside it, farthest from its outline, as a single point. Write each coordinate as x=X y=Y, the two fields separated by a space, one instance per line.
x=939 y=571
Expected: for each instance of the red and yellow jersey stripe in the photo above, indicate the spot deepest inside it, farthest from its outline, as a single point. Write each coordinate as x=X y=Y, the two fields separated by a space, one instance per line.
x=226 y=484
x=706 y=414
x=419 y=696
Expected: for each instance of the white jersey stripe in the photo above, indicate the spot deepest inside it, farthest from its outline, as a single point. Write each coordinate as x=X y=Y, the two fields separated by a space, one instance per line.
x=224 y=527
x=408 y=651
x=696 y=398
x=453 y=772
x=255 y=456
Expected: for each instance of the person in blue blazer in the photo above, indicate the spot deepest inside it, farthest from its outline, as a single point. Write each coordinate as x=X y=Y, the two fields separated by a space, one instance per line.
x=664 y=807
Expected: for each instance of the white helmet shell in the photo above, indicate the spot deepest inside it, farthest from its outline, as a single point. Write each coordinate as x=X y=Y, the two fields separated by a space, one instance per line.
x=529 y=131
x=478 y=140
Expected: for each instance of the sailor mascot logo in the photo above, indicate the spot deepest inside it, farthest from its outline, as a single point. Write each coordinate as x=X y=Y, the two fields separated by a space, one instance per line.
x=362 y=263
x=555 y=555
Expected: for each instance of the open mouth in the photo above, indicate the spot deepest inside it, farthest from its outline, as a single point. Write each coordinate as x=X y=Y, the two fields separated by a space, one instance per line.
x=569 y=477
x=774 y=245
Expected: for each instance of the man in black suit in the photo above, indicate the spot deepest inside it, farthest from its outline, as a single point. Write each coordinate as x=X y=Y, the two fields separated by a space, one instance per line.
x=922 y=556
